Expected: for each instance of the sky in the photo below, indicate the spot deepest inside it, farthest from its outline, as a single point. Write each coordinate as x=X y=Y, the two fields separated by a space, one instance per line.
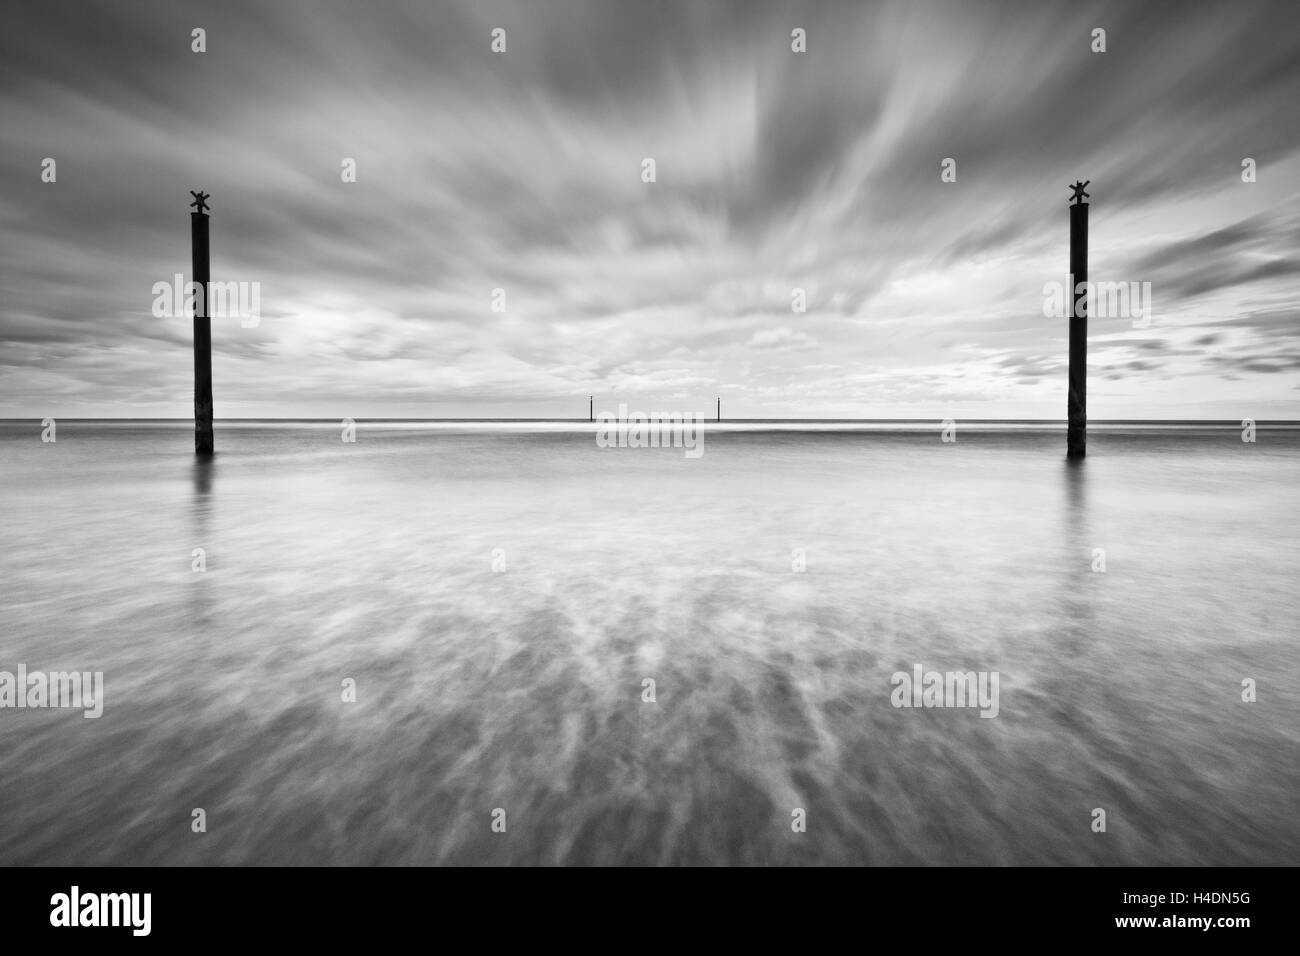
x=775 y=170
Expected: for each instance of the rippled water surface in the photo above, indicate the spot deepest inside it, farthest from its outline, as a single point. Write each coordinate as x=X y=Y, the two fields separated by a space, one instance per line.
x=521 y=689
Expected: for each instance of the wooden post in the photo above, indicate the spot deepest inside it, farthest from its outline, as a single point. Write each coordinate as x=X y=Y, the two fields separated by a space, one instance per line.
x=1077 y=402
x=719 y=408
x=591 y=408
x=203 y=444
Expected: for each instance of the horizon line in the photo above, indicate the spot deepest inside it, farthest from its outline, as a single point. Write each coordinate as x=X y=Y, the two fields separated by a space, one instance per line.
x=708 y=421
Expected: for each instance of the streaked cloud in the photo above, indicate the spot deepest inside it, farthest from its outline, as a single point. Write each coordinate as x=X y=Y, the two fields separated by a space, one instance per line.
x=775 y=170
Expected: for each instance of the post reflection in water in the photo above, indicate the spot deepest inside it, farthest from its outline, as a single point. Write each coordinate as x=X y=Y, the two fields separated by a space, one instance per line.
x=202 y=472
x=1080 y=563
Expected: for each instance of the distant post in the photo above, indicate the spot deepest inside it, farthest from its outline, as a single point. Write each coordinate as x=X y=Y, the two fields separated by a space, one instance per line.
x=1077 y=403
x=203 y=444
x=719 y=408
x=591 y=408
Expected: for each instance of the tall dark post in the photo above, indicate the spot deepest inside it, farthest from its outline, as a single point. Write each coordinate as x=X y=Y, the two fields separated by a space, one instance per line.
x=719 y=408
x=202 y=327
x=1077 y=403
x=591 y=408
